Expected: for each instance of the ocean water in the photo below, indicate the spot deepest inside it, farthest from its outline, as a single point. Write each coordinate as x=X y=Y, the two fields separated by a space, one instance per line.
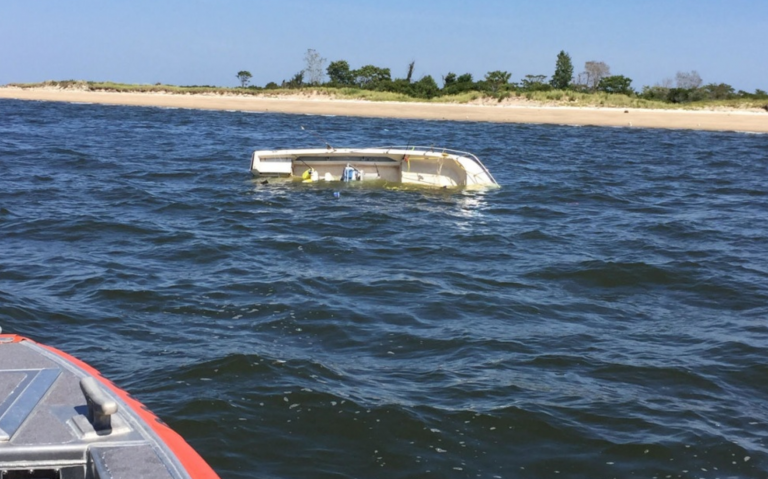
x=603 y=314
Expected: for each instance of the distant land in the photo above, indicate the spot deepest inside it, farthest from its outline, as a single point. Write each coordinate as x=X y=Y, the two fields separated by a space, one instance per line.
x=597 y=110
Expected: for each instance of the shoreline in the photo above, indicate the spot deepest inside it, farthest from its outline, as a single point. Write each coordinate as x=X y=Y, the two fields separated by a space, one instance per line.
x=708 y=120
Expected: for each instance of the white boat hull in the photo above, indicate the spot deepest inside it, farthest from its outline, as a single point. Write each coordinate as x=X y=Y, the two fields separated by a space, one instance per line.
x=423 y=166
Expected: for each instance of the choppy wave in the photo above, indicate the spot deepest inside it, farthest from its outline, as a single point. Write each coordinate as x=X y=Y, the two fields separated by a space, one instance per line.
x=600 y=315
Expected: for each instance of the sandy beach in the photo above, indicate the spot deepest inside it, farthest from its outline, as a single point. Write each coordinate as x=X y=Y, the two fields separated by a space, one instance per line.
x=508 y=112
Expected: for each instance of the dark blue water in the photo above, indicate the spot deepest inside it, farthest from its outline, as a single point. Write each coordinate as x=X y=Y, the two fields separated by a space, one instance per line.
x=603 y=314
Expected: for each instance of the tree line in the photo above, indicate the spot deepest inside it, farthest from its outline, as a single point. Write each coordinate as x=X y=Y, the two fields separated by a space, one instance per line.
x=596 y=77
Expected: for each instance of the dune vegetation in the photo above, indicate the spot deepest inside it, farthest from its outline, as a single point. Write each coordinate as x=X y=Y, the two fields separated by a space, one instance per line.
x=542 y=98
x=594 y=87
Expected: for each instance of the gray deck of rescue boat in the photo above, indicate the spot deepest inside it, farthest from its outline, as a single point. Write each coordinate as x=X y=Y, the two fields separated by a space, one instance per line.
x=44 y=431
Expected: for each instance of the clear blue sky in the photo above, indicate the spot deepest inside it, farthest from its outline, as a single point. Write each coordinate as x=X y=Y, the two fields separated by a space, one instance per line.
x=196 y=42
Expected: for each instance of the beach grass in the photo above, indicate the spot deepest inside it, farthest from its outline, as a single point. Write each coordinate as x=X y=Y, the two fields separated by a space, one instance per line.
x=597 y=99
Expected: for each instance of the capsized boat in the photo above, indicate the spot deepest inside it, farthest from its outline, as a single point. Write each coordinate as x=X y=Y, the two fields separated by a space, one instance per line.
x=60 y=419
x=412 y=165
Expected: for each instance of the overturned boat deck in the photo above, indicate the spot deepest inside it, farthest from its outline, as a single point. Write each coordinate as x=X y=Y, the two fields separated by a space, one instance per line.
x=410 y=165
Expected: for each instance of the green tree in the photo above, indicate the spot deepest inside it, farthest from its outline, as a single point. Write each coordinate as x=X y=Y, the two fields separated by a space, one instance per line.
x=685 y=95
x=340 y=74
x=563 y=76
x=369 y=76
x=455 y=85
x=465 y=78
x=721 y=91
x=616 y=84
x=399 y=85
x=449 y=79
x=497 y=79
x=656 y=92
x=426 y=88
x=535 y=83
x=244 y=77
x=296 y=82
